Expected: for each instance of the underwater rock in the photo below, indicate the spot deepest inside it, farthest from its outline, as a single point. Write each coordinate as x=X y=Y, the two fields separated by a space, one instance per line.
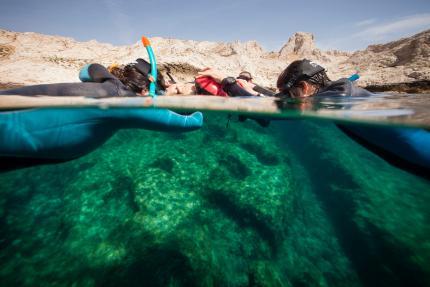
x=144 y=210
x=235 y=167
x=165 y=164
x=123 y=189
x=264 y=157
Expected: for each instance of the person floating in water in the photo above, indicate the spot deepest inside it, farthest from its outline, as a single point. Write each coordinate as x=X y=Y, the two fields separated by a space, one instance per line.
x=132 y=80
x=206 y=84
x=304 y=78
x=231 y=86
x=42 y=135
x=245 y=78
x=407 y=148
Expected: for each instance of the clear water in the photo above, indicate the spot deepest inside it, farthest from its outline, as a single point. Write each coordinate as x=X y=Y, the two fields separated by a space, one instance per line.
x=380 y=109
x=295 y=204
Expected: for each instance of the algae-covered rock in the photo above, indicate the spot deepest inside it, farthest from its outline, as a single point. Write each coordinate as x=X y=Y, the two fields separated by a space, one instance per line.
x=294 y=204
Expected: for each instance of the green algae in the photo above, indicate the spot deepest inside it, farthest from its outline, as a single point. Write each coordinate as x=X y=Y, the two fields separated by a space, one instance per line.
x=294 y=204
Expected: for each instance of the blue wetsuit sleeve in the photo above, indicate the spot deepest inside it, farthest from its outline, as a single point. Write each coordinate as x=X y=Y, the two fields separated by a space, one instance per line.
x=159 y=120
x=69 y=133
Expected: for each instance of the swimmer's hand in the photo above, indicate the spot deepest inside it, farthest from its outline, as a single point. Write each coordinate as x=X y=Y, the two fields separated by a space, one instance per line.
x=210 y=72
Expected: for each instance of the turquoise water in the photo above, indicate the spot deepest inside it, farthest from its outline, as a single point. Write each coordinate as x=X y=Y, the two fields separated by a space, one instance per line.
x=295 y=204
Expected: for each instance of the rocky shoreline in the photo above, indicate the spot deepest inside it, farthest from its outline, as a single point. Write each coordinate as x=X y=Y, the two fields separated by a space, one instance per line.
x=32 y=58
x=4 y=86
x=417 y=87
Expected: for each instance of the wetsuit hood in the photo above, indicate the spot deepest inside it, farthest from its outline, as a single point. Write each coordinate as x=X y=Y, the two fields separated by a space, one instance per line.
x=145 y=69
x=301 y=70
x=143 y=66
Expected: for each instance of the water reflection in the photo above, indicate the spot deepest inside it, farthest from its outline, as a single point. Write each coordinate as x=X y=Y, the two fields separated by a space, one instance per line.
x=394 y=109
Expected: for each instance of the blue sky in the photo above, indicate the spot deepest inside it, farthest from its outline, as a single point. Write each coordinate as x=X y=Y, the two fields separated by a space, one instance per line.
x=343 y=25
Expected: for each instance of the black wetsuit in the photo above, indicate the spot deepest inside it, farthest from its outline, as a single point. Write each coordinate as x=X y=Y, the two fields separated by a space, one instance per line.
x=264 y=91
x=235 y=90
x=343 y=87
x=104 y=85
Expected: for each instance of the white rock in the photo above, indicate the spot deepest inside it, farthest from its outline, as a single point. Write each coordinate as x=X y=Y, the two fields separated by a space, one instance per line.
x=31 y=58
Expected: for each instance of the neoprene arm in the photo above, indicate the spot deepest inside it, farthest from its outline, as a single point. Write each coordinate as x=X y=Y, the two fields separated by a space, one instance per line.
x=64 y=134
x=96 y=73
x=157 y=119
x=99 y=73
x=234 y=90
x=94 y=90
x=264 y=91
x=99 y=83
x=90 y=90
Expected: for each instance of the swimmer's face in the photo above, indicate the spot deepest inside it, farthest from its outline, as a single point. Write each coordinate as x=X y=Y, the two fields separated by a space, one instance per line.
x=181 y=89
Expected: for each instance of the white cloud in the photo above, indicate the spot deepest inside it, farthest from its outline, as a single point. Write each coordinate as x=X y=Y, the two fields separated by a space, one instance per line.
x=379 y=33
x=366 y=22
x=405 y=24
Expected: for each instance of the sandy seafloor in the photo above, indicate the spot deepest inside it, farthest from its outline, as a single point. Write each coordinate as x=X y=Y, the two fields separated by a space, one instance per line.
x=295 y=204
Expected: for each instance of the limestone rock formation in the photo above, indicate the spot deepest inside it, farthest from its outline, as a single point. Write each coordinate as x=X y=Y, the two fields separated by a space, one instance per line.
x=31 y=58
x=300 y=45
x=405 y=60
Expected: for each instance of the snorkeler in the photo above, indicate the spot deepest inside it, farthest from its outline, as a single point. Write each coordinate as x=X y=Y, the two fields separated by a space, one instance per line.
x=234 y=88
x=210 y=81
x=129 y=81
x=231 y=86
x=304 y=78
x=245 y=78
x=49 y=135
x=407 y=148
